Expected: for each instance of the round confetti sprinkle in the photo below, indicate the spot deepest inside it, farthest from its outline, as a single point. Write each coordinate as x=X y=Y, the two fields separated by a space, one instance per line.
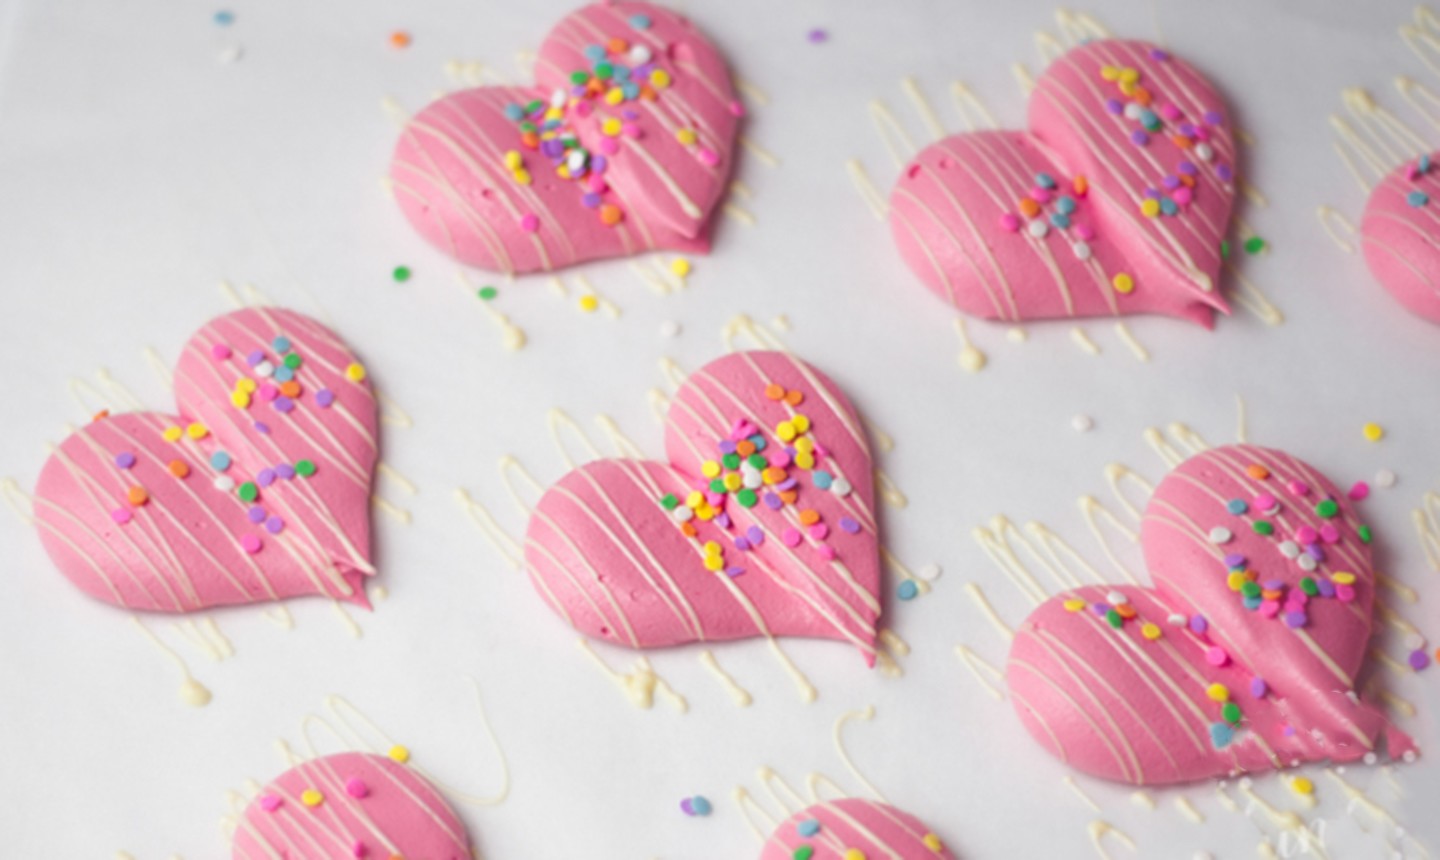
x=121 y=516
x=356 y=787
x=1254 y=245
x=137 y=496
x=256 y=514
x=588 y=304
x=220 y=460
x=1385 y=479
x=400 y=39
x=251 y=544
x=907 y=590
x=401 y=274
x=1327 y=509
x=1123 y=283
x=355 y=372
x=178 y=468
x=1373 y=432
x=399 y=753
x=487 y=293
x=1417 y=198
x=305 y=468
x=125 y=459
x=1082 y=423
x=324 y=398
x=818 y=36
x=311 y=797
x=669 y=328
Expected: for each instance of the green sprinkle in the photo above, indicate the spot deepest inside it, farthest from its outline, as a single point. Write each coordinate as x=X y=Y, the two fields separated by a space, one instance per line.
x=249 y=492
x=1263 y=527
x=758 y=461
x=487 y=293
x=1327 y=508
x=1250 y=589
x=603 y=71
x=804 y=852
x=1307 y=585
x=401 y=274
x=1225 y=248
x=533 y=106
x=1365 y=535
x=1254 y=245
x=293 y=361
x=305 y=468
x=1114 y=619
x=747 y=498
x=717 y=485
x=669 y=502
x=1231 y=713
x=579 y=78
x=527 y=126
x=731 y=461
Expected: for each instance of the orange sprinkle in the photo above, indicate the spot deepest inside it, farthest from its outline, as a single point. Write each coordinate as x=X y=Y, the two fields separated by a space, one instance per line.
x=1187 y=179
x=101 y=415
x=809 y=517
x=610 y=214
x=137 y=496
x=530 y=140
x=178 y=468
x=1142 y=96
x=794 y=398
x=1257 y=471
x=687 y=529
x=773 y=475
x=1081 y=185
x=1180 y=140
x=744 y=447
x=1125 y=610
x=789 y=497
x=400 y=39
x=617 y=45
x=774 y=391
x=290 y=388
x=1028 y=207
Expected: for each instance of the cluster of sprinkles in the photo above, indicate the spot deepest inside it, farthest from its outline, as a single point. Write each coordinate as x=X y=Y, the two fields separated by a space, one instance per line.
x=699 y=805
x=1413 y=172
x=757 y=475
x=810 y=828
x=620 y=74
x=1049 y=207
x=312 y=798
x=272 y=380
x=1269 y=596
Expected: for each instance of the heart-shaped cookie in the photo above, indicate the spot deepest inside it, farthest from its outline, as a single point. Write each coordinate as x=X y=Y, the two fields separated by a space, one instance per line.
x=1400 y=235
x=350 y=805
x=1115 y=202
x=258 y=489
x=1244 y=654
x=625 y=144
x=762 y=523
x=852 y=828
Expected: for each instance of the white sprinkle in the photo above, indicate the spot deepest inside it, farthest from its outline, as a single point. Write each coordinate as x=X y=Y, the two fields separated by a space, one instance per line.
x=575 y=161
x=752 y=480
x=1203 y=151
x=1132 y=110
x=1289 y=549
x=557 y=98
x=1220 y=534
x=682 y=513
x=1371 y=758
x=639 y=54
x=1082 y=423
x=232 y=54
x=1408 y=757
x=669 y=328
x=1116 y=598
x=929 y=572
x=1038 y=228
x=1385 y=478
x=1177 y=619
x=1081 y=249
x=840 y=487
x=1306 y=562
x=224 y=483
x=264 y=369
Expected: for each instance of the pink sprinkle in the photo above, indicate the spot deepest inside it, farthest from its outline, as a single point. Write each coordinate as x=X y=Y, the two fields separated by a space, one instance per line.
x=358 y=849
x=1010 y=221
x=582 y=109
x=1360 y=491
x=737 y=109
x=609 y=145
x=819 y=531
x=250 y=543
x=1265 y=502
x=1412 y=170
x=1182 y=195
x=268 y=392
x=780 y=458
x=1306 y=535
x=1344 y=593
x=270 y=802
x=1329 y=534
x=1270 y=608
x=1169 y=111
x=632 y=131
x=1298 y=488
x=594 y=182
x=1041 y=195
x=1085 y=231
x=219 y=352
x=791 y=537
x=707 y=156
x=530 y=222
x=1216 y=656
x=121 y=516
x=826 y=551
x=356 y=787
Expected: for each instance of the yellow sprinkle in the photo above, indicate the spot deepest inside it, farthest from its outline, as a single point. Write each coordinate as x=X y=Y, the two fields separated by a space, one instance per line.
x=355 y=371
x=705 y=513
x=611 y=126
x=1127 y=87
x=712 y=547
x=522 y=176
x=554 y=113
x=680 y=267
x=1150 y=208
x=804 y=460
x=1123 y=283
x=246 y=384
x=172 y=434
x=854 y=854
x=513 y=160
x=1074 y=605
x=1302 y=785
x=1218 y=692
x=695 y=499
x=785 y=431
x=197 y=431
x=660 y=79
x=1343 y=578
x=563 y=171
x=805 y=445
x=1129 y=75
x=686 y=136
x=714 y=562
x=1373 y=432
x=1236 y=580
x=1110 y=73
x=802 y=424
x=710 y=469
x=933 y=843
x=311 y=797
x=240 y=399
x=733 y=481
x=589 y=303
x=615 y=96
x=399 y=753
x=1150 y=630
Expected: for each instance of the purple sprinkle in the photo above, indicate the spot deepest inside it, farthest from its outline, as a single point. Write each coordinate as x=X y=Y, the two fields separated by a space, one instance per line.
x=849 y=526
x=818 y=36
x=274 y=525
x=1198 y=624
x=727 y=446
x=1258 y=688
x=1115 y=106
x=787 y=484
x=1139 y=138
x=733 y=572
x=324 y=397
x=1274 y=584
x=1188 y=168
x=262 y=428
x=256 y=514
x=265 y=478
x=686 y=808
x=1315 y=551
x=631 y=115
x=1294 y=619
x=1325 y=587
x=1171 y=182
x=1419 y=659
x=124 y=459
x=756 y=535
x=285 y=470
x=1212 y=117
x=772 y=501
x=1288 y=731
x=1224 y=172
x=1159 y=55
x=598 y=163
x=255 y=357
x=1234 y=560
x=283 y=404
x=1100 y=609
x=590 y=200
x=1152 y=193
x=722 y=520
x=1187 y=129
x=742 y=544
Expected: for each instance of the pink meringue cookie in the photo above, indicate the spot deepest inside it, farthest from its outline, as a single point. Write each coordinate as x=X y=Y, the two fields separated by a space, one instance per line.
x=851 y=827
x=1400 y=236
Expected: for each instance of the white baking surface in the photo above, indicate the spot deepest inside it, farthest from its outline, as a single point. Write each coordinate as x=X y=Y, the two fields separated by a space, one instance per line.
x=137 y=170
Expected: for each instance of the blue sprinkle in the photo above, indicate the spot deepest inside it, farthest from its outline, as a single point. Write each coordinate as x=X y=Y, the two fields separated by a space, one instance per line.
x=1251 y=603
x=1221 y=735
x=1417 y=198
x=699 y=805
x=514 y=112
x=595 y=53
x=822 y=479
x=283 y=374
x=640 y=22
x=281 y=344
x=1044 y=180
x=631 y=90
x=807 y=828
x=224 y=18
x=220 y=460
x=758 y=441
x=1065 y=205
x=1237 y=506
x=908 y=590
x=1059 y=220
x=1424 y=164
x=620 y=73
